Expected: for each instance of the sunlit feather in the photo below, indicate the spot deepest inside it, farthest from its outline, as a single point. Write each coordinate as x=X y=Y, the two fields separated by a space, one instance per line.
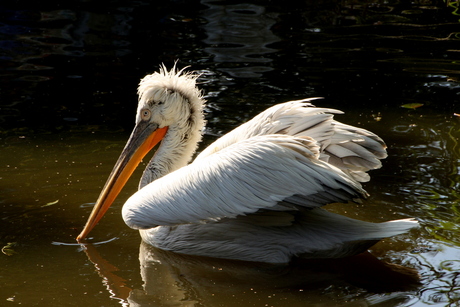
x=256 y=193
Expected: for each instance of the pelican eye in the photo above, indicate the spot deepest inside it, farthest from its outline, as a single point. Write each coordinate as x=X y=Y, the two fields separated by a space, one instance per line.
x=145 y=114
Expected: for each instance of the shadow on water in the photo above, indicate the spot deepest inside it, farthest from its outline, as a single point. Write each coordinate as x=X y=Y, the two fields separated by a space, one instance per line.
x=69 y=72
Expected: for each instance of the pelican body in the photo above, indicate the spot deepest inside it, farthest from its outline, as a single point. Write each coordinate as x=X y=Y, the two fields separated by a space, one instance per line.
x=255 y=194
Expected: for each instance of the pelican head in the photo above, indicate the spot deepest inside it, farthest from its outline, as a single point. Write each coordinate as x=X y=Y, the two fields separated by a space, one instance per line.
x=170 y=110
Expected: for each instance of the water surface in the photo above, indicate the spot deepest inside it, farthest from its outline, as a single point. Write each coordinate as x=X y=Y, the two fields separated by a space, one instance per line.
x=67 y=101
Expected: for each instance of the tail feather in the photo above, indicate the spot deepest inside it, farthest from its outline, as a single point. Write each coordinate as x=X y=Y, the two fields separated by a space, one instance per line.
x=330 y=235
x=397 y=227
x=277 y=236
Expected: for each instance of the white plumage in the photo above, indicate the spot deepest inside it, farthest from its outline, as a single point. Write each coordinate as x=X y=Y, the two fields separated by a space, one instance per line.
x=254 y=194
x=240 y=179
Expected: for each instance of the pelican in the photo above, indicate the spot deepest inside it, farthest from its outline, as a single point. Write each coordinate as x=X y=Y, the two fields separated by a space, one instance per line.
x=256 y=193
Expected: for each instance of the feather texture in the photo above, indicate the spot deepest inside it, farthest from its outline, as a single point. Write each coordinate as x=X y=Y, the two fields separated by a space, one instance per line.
x=256 y=193
x=353 y=150
x=314 y=233
x=241 y=179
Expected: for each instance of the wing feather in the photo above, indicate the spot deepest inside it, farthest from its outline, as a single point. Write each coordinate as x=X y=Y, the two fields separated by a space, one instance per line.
x=354 y=150
x=262 y=173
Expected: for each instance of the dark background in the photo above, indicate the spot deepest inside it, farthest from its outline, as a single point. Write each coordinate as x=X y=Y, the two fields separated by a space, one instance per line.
x=68 y=77
x=74 y=65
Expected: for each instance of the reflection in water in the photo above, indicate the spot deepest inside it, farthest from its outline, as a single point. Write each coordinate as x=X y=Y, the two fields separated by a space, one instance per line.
x=172 y=279
x=429 y=181
x=356 y=53
x=42 y=47
x=113 y=283
x=63 y=32
x=432 y=171
x=440 y=275
x=239 y=34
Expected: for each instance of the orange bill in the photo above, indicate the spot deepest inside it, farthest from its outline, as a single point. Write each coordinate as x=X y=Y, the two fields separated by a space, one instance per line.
x=143 y=138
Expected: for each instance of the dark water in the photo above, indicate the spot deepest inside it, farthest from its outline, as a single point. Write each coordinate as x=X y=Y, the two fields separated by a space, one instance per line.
x=69 y=72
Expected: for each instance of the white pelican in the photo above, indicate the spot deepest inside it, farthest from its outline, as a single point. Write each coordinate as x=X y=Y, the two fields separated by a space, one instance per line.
x=254 y=194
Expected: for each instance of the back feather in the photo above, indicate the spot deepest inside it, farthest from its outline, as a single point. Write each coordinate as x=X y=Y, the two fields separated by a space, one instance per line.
x=353 y=150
